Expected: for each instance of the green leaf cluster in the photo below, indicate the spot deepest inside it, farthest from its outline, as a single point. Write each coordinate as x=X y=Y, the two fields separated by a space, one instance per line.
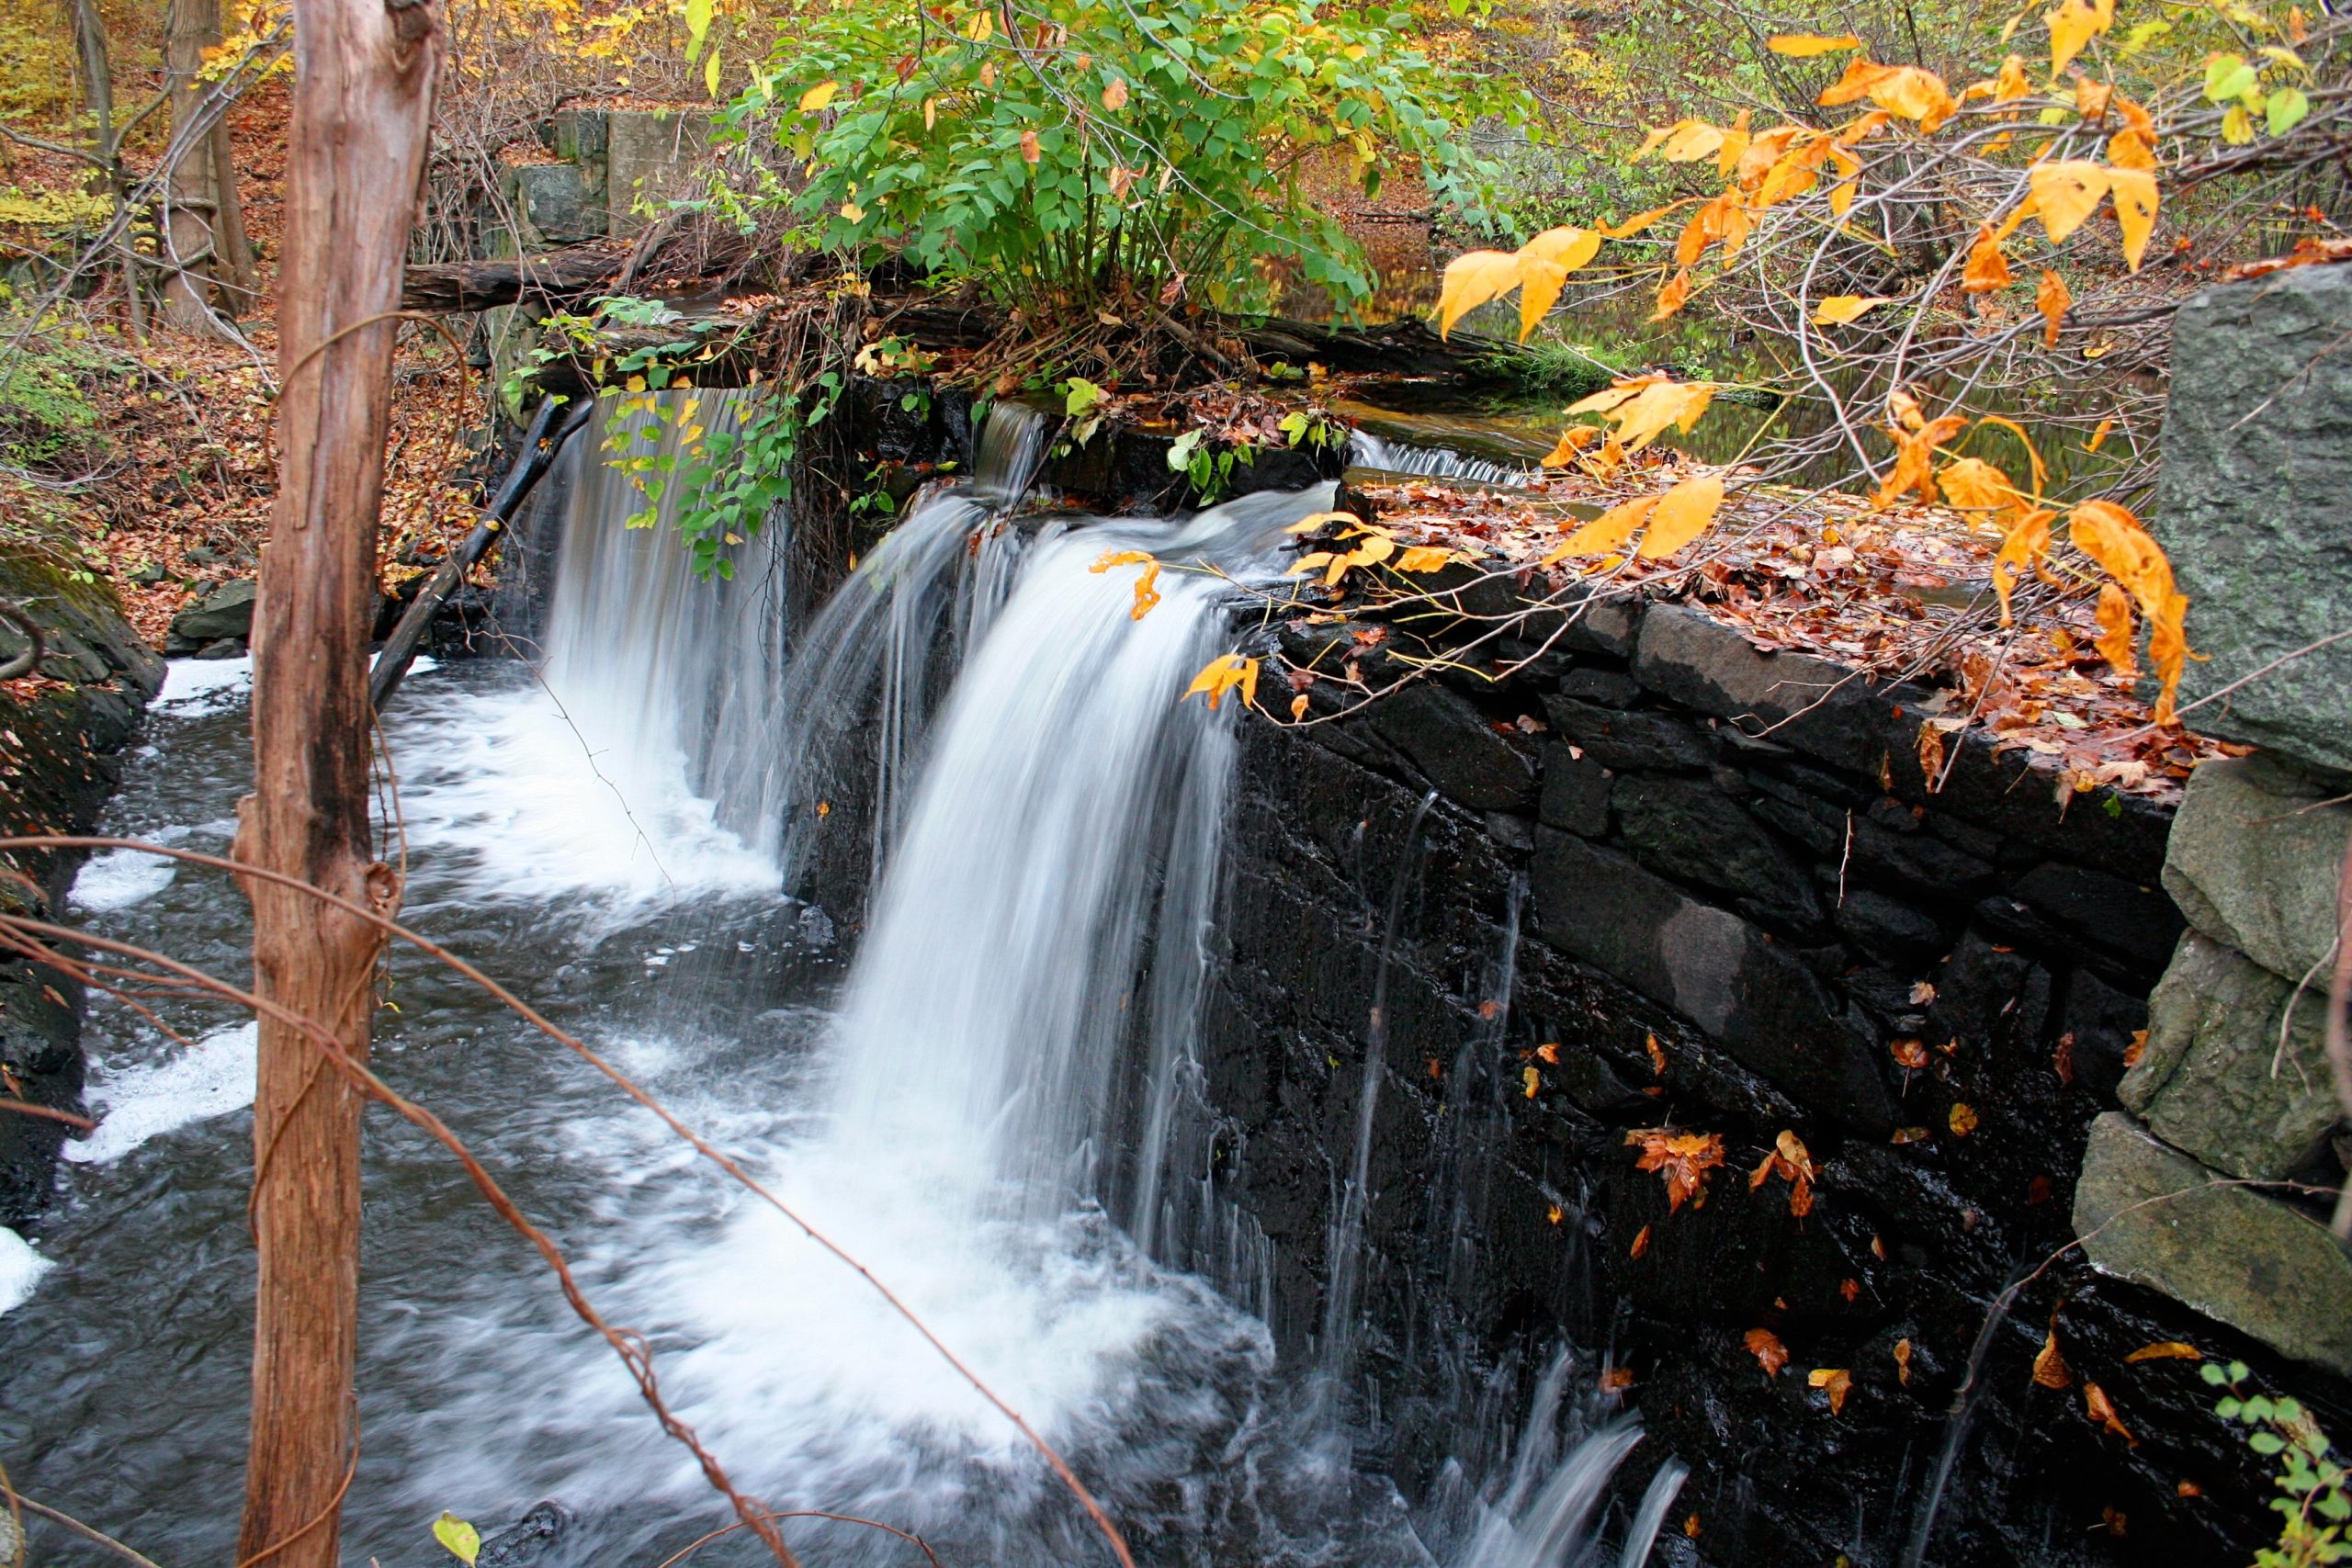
x=2317 y=1506
x=1109 y=152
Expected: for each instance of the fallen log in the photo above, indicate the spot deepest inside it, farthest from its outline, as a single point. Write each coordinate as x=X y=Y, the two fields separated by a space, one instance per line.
x=550 y=275
x=534 y=458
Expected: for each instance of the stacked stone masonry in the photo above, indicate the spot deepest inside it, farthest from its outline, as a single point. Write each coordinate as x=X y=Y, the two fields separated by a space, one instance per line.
x=1741 y=908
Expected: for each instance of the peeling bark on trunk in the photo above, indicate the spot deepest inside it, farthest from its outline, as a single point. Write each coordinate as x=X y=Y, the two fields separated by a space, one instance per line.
x=364 y=72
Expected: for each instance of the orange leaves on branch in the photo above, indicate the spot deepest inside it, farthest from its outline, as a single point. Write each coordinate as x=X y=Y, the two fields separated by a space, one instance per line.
x=1643 y=407
x=1916 y=439
x=1904 y=91
x=2116 y=630
x=2051 y=296
x=1683 y=1158
x=1987 y=268
x=1672 y=298
x=1682 y=514
x=1029 y=151
x=2073 y=24
x=1770 y=1353
x=1227 y=672
x=2113 y=537
x=1115 y=96
x=2068 y=191
x=1607 y=532
x=1638 y=222
x=1539 y=270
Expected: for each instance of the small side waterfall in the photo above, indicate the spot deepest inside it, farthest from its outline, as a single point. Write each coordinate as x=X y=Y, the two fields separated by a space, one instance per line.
x=664 y=674
x=1367 y=450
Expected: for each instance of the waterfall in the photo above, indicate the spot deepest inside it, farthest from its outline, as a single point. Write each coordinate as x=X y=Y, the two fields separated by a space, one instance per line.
x=871 y=656
x=1367 y=450
x=668 y=676
x=1069 y=813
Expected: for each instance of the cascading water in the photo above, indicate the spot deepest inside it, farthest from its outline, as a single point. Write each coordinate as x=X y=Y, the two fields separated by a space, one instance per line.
x=1367 y=450
x=996 y=1080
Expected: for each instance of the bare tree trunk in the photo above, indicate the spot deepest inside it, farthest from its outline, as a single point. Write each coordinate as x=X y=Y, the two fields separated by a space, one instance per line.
x=364 y=73
x=91 y=55
x=206 y=224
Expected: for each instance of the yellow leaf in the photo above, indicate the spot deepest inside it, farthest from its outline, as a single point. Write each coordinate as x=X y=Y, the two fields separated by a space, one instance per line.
x=2073 y=24
x=2091 y=97
x=1672 y=298
x=2170 y=1350
x=1905 y=91
x=2116 y=627
x=818 y=97
x=710 y=73
x=2099 y=436
x=1227 y=672
x=2027 y=544
x=2066 y=193
x=1690 y=140
x=929 y=113
x=2135 y=209
x=1115 y=96
x=1322 y=519
x=1607 y=532
x=1471 y=280
x=1804 y=45
x=2051 y=297
x=1568 y=249
x=1147 y=595
x=2168 y=649
x=852 y=212
x=1972 y=484
x=1533 y=1079
x=1835 y=1382
x=1642 y=408
x=1298 y=707
x=1424 y=558
x=1637 y=222
x=2110 y=535
x=1839 y=309
x=1961 y=1118
x=463 y=1540
x=1681 y=515
x=2130 y=149
x=1572 y=440
x=1987 y=268
x=1309 y=562
x=1539 y=283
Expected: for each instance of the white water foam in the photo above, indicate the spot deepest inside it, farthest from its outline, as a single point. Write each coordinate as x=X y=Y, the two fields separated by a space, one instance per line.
x=201 y=685
x=144 y=1100
x=20 y=1268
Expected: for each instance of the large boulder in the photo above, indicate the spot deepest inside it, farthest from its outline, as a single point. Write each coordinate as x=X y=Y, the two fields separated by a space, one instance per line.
x=2152 y=1215
x=2257 y=461
x=225 y=611
x=2215 y=1080
x=2254 y=863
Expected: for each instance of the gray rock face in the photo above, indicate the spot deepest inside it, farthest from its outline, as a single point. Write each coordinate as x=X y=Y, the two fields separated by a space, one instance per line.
x=648 y=160
x=226 y=612
x=2206 y=1085
x=2152 y=1215
x=2254 y=861
x=2257 y=464
x=1722 y=973
x=1808 y=703
x=562 y=203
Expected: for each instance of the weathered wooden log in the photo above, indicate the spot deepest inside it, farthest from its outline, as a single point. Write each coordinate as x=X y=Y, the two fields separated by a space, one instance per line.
x=553 y=276
x=536 y=455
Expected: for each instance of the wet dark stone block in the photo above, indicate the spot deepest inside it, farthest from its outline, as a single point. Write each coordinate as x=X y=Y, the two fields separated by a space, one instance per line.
x=1887 y=928
x=1817 y=825
x=1455 y=748
x=1610 y=688
x=1820 y=708
x=1915 y=862
x=1575 y=792
x=1629 y=742
x=2141 y=923
x=1724 y=974
x=1691 y=830
x=2102 y=1020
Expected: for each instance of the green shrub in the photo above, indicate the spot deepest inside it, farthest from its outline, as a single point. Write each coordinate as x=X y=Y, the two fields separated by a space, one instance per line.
x=1113 y=155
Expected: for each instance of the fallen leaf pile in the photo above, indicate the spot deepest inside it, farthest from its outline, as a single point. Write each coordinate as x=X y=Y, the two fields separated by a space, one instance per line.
x=1902 y=591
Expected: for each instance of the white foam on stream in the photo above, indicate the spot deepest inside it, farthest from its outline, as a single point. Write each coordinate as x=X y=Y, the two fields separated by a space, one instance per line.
x=20 y=1268
x=136 y=1103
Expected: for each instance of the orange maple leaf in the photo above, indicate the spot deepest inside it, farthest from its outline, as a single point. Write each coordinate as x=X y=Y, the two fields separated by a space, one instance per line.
x=1684 y=1158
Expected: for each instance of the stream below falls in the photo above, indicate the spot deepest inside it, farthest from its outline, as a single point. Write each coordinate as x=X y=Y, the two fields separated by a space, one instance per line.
x=982 y=1095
